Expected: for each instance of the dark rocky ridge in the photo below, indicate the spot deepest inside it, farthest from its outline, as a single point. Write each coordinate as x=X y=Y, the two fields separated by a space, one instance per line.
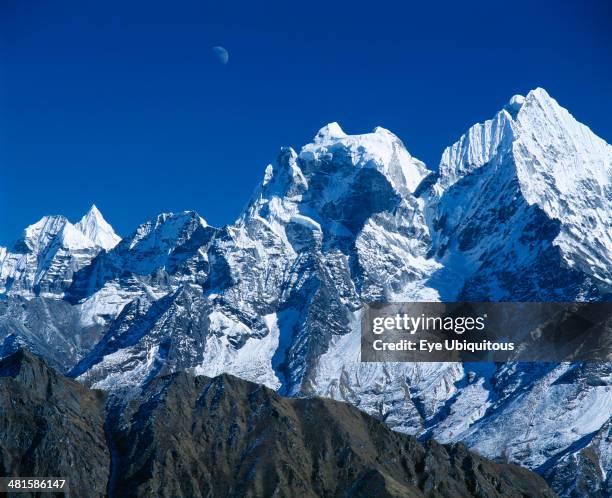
x=196 y=436
x=51 y=426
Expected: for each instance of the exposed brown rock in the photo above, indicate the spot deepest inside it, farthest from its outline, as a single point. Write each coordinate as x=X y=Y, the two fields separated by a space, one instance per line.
x=227 y=437
x=191 y=436
x=51 y=426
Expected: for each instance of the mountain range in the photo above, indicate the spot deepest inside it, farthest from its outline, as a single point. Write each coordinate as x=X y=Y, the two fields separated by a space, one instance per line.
x=519 y=209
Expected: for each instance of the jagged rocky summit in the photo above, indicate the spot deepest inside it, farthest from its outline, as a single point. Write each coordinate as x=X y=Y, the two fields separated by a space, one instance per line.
x=518 y=210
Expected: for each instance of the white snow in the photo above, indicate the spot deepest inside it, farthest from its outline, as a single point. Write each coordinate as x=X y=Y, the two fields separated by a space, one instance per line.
x=95 y=228
x=330 y=131
x=252 y=361
x=381 y=150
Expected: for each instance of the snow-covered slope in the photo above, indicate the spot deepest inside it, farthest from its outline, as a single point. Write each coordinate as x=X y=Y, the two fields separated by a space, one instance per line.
x=566 y=170
x=520 y=209
x=96 y=228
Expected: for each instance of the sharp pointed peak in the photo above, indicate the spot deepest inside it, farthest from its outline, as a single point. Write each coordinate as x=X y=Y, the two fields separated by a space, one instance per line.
x=537 y=97
x=94 y=213
x=94 y=210
x=517 y=102
x=96 y=228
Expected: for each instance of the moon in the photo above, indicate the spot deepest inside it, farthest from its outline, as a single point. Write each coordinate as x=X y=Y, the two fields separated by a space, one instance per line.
x=221 y=54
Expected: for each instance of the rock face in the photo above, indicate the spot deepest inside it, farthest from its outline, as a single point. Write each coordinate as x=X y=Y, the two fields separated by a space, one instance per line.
x=51 y=426
x=236 y=438
x=187 y=436
x=519 y=210
x=50 y=328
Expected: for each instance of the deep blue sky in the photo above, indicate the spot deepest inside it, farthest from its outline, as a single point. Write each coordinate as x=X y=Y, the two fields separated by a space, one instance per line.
x=122 y=103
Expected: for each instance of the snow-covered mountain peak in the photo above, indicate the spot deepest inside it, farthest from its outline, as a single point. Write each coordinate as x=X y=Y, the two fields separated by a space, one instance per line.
x=93 y=210
x=284 y=178
x=165 y=231
x=39 y=235
x=89 y=233
x=330 y=131
x=563 y=149
x=565 y=169
x=381 y=150
x=534 y=119
x=482 y=143
x=533 y=153
x=331 y=177
x=542 y=96
x=54 y=229
x=44 y=260
x=96 y=228
x=383 y=131
x=284 y=172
